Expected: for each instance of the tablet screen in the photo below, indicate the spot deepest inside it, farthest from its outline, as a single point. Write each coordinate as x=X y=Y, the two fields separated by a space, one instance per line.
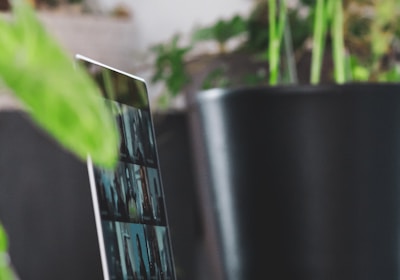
x=129 y=200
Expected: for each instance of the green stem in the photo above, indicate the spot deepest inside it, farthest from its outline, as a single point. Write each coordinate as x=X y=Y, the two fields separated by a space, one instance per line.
x=271 y=49
x=276 y=31
x=338 y=43
x=289 y=53
x=318 y=41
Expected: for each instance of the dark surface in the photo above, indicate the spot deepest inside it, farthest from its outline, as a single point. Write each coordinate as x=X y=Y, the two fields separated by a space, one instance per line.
x=177 y=172
x=45 y=205
x=302 y=183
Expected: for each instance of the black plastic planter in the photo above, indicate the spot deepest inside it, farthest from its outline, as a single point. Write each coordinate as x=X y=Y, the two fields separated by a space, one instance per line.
x=301 y=182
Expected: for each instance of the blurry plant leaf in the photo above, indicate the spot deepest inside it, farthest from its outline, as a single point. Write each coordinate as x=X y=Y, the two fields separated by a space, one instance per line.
x=221 y=31
x=256 y=78
x=170 y=66
x=392 y=75
x=3 y=240
x=277 y=17
x=163 y=101
x=216 y=78
x=358 y=72
x=6 y=271
x=308 y=2
x=61 y=98
x=257 y=29
x=203 y=34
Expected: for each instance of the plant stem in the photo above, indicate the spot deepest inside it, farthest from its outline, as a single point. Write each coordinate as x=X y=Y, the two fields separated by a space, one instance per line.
x=338 y=43
x=271 y=49
x=318 y=44
x=289 y=53
x=276 y=30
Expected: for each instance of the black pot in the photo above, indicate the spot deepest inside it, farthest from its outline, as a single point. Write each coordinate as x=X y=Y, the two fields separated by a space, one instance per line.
x=301 y=182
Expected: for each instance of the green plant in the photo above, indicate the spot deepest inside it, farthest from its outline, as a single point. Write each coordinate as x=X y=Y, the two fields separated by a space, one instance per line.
x=61 y=98
x=170 y=68
x=221 y=32
x=6 y=270
x=372 y=31
x=360 y=37
x=59 y=95
x=328 y=13
x=245 y=62
x=276 y=29
x=173 y=61
x=171 y=58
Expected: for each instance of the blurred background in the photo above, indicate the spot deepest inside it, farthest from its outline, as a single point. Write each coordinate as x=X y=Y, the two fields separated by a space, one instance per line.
x=180 y=47
x=121 y=34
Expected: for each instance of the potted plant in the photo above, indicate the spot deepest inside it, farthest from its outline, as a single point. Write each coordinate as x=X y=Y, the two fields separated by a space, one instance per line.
x=182 y=70
x=64 y=107
x=299 y=181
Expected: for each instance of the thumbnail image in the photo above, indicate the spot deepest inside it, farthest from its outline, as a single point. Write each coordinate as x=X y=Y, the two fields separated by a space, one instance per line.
x=137 y=251
x=131 y=193
x=137 y=138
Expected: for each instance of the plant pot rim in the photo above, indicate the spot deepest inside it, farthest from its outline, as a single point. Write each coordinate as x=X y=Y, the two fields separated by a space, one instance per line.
x=304 y=89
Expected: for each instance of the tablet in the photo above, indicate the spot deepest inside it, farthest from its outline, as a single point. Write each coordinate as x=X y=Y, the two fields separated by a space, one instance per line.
x=128 y=201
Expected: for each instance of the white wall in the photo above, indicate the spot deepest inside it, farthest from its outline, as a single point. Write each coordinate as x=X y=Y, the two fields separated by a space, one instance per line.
x=158 y=20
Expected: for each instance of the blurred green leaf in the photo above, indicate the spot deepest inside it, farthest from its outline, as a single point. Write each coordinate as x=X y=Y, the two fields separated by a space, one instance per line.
x=216 y=78
x=61 y=98
x=392 y=75
x=6 y=271
x=170 y=66
x=221 y=31
x=3 y=240
x=358 y=72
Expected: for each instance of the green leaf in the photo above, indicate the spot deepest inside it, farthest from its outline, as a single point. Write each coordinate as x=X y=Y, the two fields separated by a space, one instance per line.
x=221 y=31
x=3 y=240
x=392 y=75
x=170 y=67
x=57 y=92
x=6 y=272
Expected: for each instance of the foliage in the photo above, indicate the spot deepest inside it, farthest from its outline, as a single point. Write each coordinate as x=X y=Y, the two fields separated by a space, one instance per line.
x=363 y=37
x=360 y=37
x=173 y=60
x=6 y=271
x=372 y=30
x=221 y=32
x=276 y=29
x=328 y=12
x=62 y=99
x=54 y=3
x=170 y=69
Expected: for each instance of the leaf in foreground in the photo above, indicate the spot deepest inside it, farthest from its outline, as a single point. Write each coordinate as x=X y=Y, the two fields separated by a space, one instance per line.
x=6 y=271
x=58 y=93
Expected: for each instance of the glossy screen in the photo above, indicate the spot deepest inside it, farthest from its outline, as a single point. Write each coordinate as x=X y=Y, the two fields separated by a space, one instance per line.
x=130 y=198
